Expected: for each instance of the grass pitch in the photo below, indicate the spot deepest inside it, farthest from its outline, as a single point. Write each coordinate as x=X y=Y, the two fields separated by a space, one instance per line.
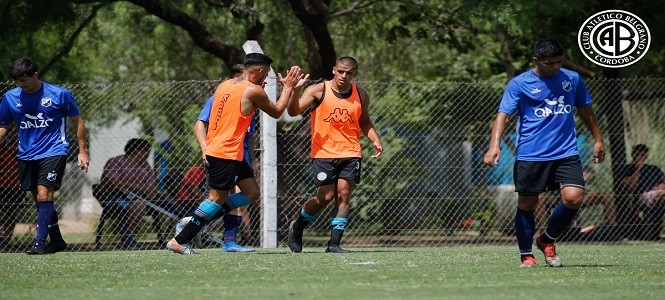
x=589 y=272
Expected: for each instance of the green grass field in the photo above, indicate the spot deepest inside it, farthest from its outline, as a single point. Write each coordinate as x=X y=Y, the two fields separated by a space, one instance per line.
x=589 y=272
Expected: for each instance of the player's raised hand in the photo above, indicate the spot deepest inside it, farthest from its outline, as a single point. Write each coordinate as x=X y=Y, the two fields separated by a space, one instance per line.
x=292 y=77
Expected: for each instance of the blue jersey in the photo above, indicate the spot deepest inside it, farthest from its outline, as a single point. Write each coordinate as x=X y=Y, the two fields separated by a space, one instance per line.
x=204 y=116
x=41 y=119
x=544 y=106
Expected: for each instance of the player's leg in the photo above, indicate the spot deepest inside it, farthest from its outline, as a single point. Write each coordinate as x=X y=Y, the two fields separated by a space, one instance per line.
x=349 y=176
x=341 y=218
x=568 y=173
x=326 y=191
x=234 y=219
x=531 y=179
x=47 y=175
x=222 y=176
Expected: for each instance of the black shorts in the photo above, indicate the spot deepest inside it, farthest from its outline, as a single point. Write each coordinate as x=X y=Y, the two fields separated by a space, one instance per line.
x=223 y=174
x=328 y=170
x=47 y=171
x=534 y=177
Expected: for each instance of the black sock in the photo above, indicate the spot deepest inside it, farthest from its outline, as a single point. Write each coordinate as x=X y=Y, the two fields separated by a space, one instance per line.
x=335 y=237
x=191 y=229
x=301 y=223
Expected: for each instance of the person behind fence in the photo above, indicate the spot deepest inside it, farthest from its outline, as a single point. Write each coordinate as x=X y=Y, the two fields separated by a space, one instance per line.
x=11 y=195
x=645 y=184
x=126 y=174
x=233 y=107
x=547 y=154
x=39 y=110
x=340 y=114
x=234 y=218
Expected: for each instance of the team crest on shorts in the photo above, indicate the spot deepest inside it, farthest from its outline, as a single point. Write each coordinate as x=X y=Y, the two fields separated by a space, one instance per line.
x=614 y=38
x=51 y=176
x=321 y=176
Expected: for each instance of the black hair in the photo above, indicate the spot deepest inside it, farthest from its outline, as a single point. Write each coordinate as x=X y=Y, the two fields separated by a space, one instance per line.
x=136 y=144
x=547 y=48
x=640 y=148
x=253 y=59
x=22 y=66
x=236 y=70
x=348 y=60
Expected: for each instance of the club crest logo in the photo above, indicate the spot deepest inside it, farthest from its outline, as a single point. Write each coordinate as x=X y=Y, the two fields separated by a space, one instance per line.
x=52 y=176
x=614 y=38
x=321 y=176
x=567 y=85
x=46 y=102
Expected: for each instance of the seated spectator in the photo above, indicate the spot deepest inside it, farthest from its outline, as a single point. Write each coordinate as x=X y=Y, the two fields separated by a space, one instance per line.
x=10 y=188
x=130 y=172
x=645 y=185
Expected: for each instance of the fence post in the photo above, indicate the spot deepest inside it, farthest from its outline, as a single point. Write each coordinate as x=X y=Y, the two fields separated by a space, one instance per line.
x=268 y=160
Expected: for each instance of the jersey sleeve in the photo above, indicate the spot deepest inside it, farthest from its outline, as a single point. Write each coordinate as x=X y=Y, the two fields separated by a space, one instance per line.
x=71 y=109
x=511 y=97
x=204 y=115
x=582 y=95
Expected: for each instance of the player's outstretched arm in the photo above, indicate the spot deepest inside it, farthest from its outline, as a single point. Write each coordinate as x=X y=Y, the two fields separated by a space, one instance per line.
x=258 y=96
x=313 y=92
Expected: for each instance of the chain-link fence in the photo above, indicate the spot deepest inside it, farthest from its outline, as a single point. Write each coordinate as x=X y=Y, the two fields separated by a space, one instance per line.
x=429 y=188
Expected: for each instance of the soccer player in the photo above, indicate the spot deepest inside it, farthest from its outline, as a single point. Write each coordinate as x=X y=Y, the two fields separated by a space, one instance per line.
x=39 y=109
x=340 y=113
x=234 y=104
x=233 y=219
x=544 y=99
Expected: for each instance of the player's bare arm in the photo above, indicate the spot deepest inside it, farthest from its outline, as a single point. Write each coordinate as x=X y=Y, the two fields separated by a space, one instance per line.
x=3 y=132
x=257 y=95
x=494 y=153
x=366 y=124
x=83 y=159
x=200 y=132
x=308 y=97
x=588 y=116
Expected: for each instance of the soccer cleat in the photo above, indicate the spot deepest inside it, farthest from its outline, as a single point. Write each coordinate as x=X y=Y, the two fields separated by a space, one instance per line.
x=550 y=253
x=528 y=261
x=295 y=238
x=37 y=249
x=177 y=248
x=55 y=247
x=233 y=247
x=336 y=249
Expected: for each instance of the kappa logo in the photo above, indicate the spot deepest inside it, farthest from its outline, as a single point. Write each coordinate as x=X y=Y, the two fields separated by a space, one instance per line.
x=567 y=85
x=339 y=116
x=614 y=38
x=46 y=102
x=535 y=91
